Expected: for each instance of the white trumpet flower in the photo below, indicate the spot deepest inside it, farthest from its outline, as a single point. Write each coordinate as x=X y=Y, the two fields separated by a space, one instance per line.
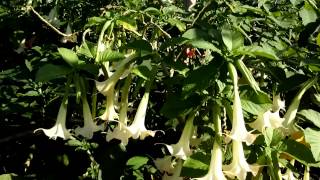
x=290 y=115
x=215 y=169
x=270 y=119
x=89 y=125
x=59 y=129
x=107 y=88
x=239 y=131
x=138 y=129
x=239 y=166
x=176 y=172
x=164 y=164
x=182 y=148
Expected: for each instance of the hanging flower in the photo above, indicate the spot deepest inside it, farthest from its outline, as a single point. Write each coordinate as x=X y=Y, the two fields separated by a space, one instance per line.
x=138 y=129
x=290 y=115
x=182 y=148
x=164 y=164
x=239 y=166
x=107 y=88
x=59 y=129
x=89 y=125
x=270 y=119
x=239 y=131
x=176 y=172
x=121 y=132
x=215 y=169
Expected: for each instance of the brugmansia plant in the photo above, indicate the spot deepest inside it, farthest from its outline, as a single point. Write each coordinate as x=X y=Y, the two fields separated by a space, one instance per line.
x=164 y=89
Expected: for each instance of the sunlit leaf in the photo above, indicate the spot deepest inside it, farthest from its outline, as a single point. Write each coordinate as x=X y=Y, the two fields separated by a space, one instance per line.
x=311 y=115
x=50 y=71
x=232 y=39
x=307 y=14
x=312 y=137
x=69 y=56
x=137 y=161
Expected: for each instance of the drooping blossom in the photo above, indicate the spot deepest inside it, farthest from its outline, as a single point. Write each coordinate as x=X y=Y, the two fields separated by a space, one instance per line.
x=238 y=131
x=59 y=129
x=89 y=125
x=182 y=148
x=239 y=166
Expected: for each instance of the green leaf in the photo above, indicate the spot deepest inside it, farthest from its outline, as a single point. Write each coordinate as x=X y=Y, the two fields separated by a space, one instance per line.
x=142 y=46
x=69 y=56
x=90 y=68
x=137 y=161
x=254 y=108
x=144 y=70
x=299 y=151
x=110 y=55
x=50 y=71
x=261 y=51
x=127 y=23
x=179 y=24
x=203 y=45
x=196 y=81
x=95 y=21
x=273 y=136
x=232 y=39
x=312 y=137
x=318 y=39
x=153 y=11
x=311 y=115
x=307 y=14
x=196 y=165
x=9 y=177
x=195 y=34
x=176 y=106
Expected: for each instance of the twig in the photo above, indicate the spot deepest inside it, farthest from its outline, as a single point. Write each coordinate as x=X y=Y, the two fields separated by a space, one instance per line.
x=47 y=23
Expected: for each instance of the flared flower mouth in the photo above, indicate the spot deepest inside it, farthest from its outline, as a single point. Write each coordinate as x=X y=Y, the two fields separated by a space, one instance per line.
x=176 y=172
x=164 y=164
x=59 y=129
x=89 y=125
x=239 y=166
x=137 y=129
x=182 y=148
x=215 y=168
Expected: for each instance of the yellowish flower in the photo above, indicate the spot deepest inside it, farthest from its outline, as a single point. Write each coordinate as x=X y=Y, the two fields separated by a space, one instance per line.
x=164 y=164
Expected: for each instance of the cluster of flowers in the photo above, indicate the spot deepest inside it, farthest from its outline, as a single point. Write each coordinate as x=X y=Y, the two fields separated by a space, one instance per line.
x=181 y=150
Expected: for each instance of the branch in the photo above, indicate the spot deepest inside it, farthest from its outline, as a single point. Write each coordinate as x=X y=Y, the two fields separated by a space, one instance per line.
x=47 y=23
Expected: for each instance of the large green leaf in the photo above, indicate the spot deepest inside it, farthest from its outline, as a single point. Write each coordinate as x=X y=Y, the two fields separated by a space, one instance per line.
x=232 y=39
x=110 y=55
x=50 y=71
x=137 y=161
x=196 y=165
x=69 y=56
x=307 y=14
x=127 y=23
x=141 y=46
x=195 y=34
x=179 y=24
x=298 y=151
x=313 y=137
x=311 y=115
x=201 y=78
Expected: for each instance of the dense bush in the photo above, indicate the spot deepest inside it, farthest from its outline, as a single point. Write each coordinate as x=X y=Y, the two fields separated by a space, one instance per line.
x=141 y=89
